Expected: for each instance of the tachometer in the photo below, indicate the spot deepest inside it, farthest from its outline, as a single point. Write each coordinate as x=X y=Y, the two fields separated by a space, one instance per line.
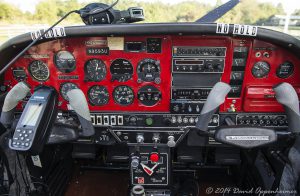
x=121 y=70
x=65 y=87
x=98 y=95
x=148 y=70
x=260 y=69
x=285 y=70
x=95 y=70
x=39 y=71
x=123 y=95
x=65 y=61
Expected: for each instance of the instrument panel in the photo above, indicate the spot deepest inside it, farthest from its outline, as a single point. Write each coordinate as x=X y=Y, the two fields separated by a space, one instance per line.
x=169 y=74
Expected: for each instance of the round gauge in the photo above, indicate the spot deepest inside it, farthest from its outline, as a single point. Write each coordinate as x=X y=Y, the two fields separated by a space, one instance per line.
x=149 y=95
x=98 y=95
x=285 y=70
x=148 y=70
x=123 y=95
x=65 y=87
x=39 y=71
x=260 y=69
x=65 y=61
x=121 y=70
x=95 y=70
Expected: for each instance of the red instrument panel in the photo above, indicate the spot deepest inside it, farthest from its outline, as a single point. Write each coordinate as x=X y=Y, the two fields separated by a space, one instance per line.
x=45 y=52
x=263 y=64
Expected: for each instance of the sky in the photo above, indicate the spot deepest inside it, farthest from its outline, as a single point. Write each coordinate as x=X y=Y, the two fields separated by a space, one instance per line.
x=289 y=5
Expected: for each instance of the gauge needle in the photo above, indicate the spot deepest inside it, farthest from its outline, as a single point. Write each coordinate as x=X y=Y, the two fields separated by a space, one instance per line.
x=148 y=170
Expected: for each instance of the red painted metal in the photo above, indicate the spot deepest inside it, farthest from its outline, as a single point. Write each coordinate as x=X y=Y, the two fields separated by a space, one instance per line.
x=255 y=92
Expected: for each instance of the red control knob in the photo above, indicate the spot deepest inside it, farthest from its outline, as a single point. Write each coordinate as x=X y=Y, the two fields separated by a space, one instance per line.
x=154 y=157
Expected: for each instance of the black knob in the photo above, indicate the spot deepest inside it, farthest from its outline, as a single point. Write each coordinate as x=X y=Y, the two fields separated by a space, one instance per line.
x=167 y=121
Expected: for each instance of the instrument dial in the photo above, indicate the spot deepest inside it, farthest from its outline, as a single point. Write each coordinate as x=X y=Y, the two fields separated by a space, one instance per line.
x=149 y=95
x=65 y=61
x=39 y=71
x=65 y=87
x=121 y=70
x=285 y=70
x=123 y=95
x=148 y=70
x=261 y=69
x=98 y=95
x=95 y=70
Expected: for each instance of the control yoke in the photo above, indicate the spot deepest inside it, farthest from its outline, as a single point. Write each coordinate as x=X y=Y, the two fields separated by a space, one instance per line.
x=79 y=104
x=13 y=97
x=215 y=98
x=287 y=96
x=240 y=136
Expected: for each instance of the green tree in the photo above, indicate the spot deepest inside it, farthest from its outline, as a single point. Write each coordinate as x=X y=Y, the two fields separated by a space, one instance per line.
x=9 y=13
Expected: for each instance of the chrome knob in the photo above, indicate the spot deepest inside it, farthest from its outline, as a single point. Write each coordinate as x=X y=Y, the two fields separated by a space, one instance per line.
x=139 y=138
x=171 y=141
x=135 y=161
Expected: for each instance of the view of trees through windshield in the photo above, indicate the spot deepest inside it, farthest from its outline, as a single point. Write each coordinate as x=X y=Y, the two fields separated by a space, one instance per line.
x=14 y=21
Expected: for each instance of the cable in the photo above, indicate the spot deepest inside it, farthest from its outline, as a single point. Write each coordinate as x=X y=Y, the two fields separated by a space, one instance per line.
x=27 y=186
x=80 y=12
x=35 y=41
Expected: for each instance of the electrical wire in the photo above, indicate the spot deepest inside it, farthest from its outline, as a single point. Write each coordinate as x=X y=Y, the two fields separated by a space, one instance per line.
x=34 y=42
x=26 y=182
x=81 y=12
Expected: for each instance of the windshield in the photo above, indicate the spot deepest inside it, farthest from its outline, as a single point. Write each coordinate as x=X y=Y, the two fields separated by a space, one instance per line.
x=20 y=16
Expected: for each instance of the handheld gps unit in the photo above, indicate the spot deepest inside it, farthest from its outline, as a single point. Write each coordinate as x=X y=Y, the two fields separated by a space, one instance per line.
x=34 y=126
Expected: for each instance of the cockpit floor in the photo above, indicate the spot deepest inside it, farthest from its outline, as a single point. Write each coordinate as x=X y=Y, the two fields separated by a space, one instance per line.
x=115 y=183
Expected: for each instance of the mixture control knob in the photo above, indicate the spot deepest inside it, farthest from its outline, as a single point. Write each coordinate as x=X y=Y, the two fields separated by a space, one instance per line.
x=135 y=161
x=171 y=141
x=154 y=157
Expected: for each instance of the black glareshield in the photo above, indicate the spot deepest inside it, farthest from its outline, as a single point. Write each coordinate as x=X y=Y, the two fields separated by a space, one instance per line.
x=215 y=98
x=34 y=126
x=287 y=96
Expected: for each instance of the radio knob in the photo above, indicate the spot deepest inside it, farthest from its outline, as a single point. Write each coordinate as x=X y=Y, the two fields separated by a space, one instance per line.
x=171 y=141
x=197 y=109
x=176 y=108
x=190 y=109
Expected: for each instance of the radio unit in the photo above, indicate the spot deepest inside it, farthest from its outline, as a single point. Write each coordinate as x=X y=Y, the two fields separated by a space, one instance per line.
x=190 y=94
x=184 y=51
x=185 y=65
x=195 y=70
